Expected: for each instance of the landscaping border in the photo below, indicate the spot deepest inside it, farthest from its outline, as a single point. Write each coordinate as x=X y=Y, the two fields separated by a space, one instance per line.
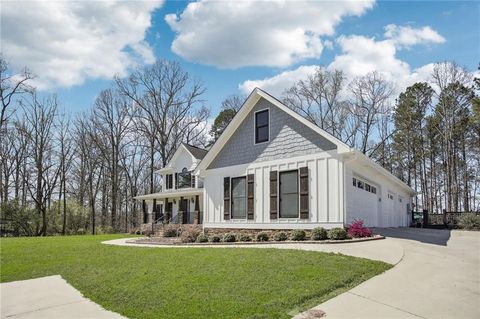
x=151 y=241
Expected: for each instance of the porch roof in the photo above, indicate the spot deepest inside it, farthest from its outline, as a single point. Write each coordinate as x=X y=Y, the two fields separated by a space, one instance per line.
x=172 y=193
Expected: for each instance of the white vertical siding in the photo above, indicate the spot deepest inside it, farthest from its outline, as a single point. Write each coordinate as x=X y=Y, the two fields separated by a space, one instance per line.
x=325 y=192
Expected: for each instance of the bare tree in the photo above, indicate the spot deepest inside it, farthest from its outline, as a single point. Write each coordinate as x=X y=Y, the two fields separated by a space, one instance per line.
x=171 y=108
x=43 y=170
x=371 y=96
x=10 y=86
x=111 y=122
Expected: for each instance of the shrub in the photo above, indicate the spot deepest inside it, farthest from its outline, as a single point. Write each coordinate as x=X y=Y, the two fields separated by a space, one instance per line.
x=171 y=230
x=262 y=236
x=189 y=234
x=280 y=236
x=298 y=235
x=244 y=237
x=202 y=238
x=469 y=221
x=337 y=233
x=319 y=233
x=214 y=239
x=148 y=232
x=229 y=238
x=357 y=230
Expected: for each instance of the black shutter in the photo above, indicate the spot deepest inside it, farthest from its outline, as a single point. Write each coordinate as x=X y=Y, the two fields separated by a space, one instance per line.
x=273 y=195
x=304 y=213
x=176 y=180
x=226 y=198
x=250 y=196
x=192 y=185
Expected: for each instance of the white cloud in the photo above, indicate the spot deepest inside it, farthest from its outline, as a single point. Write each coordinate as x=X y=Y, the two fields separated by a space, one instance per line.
x=277 y=84
x=359 y=56
x=65 y=42
x=232 y=34
x=406 y=36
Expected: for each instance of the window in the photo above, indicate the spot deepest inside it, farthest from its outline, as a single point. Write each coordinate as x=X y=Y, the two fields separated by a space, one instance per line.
x=390 y=196
x=373 y=189
x=367 y=187
x=168 y=181
x=354 y=181
x=360 y=184
x=261 y=127
x=239 y=198
x=289 y=194
x=184 y=178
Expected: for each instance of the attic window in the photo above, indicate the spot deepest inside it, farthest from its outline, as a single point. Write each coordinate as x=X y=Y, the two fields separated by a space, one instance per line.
x=261 y=126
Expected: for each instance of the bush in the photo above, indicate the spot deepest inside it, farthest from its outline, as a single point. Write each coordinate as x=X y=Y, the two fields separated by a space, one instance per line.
x=229 y=238
x=244 y=237
x=319 y=233
x=148 y=233
x=171 y=230
x=298 y=235
x=189 y=234
x=357 y=230
x=214 y=239
x=262 y=236
x=281 y=236
x=337 y=233
x=469 y=221
x=202 y=238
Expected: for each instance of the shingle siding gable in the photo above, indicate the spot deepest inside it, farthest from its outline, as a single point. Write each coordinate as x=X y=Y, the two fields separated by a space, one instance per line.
x=288 y=138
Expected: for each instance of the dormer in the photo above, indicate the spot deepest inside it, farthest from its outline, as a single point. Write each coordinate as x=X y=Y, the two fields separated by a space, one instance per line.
x=178 y=174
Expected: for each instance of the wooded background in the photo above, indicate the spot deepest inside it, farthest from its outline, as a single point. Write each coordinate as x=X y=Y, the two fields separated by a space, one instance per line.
x=64 y=173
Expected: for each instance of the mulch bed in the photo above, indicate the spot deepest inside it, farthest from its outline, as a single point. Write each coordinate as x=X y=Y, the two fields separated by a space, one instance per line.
x=176 y=241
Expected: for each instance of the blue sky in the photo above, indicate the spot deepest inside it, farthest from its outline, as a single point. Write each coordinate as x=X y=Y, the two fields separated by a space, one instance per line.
x=452 y=34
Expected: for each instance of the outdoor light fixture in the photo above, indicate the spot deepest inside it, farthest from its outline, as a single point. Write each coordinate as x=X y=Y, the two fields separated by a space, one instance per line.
x=174 y=202
x=192 y=200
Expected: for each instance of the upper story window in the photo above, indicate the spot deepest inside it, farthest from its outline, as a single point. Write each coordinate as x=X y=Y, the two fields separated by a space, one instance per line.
x=168 y=181
x=184 y=178
x=262 y=133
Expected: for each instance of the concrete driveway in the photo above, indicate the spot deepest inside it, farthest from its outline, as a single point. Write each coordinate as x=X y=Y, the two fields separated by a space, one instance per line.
x=438 y=277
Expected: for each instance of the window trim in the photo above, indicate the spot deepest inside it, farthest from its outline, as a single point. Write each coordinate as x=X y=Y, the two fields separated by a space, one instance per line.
x=280 y=194
x=231 y=198
x=255 y=126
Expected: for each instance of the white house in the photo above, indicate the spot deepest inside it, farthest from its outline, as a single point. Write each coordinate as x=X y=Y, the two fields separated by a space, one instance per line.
x=273 y=169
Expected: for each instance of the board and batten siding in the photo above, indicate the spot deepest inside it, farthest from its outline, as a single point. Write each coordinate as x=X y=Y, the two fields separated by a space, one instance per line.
x=326 y=195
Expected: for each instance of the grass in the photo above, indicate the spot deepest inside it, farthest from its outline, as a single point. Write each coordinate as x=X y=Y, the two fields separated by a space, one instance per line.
x=187 y=282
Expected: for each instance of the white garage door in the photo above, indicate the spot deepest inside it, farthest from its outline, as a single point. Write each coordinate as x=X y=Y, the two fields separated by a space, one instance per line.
x=364 y=195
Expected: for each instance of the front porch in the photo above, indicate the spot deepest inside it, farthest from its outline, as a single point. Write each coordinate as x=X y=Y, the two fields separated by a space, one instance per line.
x=174 y=206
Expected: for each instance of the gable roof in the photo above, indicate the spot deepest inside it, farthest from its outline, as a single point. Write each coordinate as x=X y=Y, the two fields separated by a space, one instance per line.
x=247 y=106
x=245 y=109
x=197 y=152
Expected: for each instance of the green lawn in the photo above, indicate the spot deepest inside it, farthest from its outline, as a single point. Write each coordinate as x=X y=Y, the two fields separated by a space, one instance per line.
x=187 y=282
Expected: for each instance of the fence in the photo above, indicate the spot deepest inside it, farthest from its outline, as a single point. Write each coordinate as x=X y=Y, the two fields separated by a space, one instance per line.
x=438 y=220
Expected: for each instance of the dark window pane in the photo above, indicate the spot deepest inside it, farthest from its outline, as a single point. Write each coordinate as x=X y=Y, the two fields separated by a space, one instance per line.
x=289 y=194
x=239 y=201
x=262 y=118
x=262 y=134
x=360 y=184
x=354 y=181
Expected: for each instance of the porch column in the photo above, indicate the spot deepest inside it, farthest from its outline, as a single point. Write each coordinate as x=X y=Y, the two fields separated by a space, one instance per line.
x=181 y=211
x=166 y=220
x=196 y=214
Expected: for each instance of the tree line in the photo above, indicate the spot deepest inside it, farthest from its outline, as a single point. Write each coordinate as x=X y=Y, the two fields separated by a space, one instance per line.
x=65 y=173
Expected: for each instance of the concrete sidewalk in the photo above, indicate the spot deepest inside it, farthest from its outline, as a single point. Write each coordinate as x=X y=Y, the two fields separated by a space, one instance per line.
x=48 y=297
